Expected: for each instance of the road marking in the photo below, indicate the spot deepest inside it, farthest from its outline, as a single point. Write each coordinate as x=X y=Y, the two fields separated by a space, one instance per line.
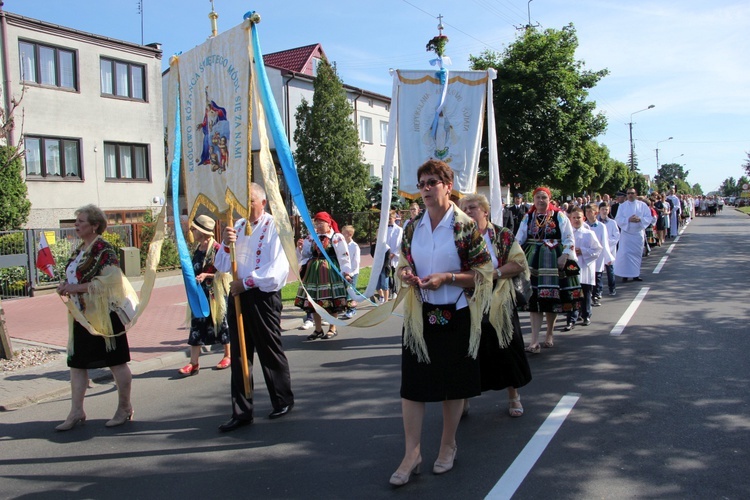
x=629 y=312
x=677 y=238
x=669 y=250
x=519 y=469
x=661 y=263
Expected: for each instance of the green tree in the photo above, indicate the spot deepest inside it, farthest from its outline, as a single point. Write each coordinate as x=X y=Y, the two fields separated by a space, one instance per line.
x=729 y=187
x=14 y=205
x=543 y=113
x=668 y=173
x=328 y=155
x=375 y=193
x=619 y=179
x=746 y=165
x=696 y=189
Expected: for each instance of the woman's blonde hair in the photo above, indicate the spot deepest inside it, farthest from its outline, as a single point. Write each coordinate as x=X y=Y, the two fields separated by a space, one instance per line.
x=95 y=216
x=477 y=198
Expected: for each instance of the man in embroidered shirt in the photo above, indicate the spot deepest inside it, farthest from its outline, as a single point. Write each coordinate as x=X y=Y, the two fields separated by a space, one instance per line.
x=262 y=269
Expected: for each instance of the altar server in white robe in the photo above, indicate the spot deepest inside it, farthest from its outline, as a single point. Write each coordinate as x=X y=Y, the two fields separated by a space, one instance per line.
x=633 y=217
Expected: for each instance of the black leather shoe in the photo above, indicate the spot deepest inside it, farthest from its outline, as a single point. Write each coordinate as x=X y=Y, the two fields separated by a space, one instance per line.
x=234 y=424
x=638 y=279
x=281 y=411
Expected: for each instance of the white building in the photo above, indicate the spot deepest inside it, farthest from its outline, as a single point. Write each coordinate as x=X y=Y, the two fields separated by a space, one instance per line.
x=92 y=120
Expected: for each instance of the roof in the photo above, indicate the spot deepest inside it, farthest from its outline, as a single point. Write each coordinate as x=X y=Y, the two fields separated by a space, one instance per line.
x=298 y=59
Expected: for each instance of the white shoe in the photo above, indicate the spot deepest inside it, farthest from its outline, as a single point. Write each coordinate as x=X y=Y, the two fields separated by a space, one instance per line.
x=324 y=323
x=381 y=300
x=306 y=325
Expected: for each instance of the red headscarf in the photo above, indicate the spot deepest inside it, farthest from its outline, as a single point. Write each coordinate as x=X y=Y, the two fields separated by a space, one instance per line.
x=550 y=207
x=326 y=217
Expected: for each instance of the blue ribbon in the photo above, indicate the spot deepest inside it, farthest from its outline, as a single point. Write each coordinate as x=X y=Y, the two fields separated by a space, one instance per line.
x=196 y=298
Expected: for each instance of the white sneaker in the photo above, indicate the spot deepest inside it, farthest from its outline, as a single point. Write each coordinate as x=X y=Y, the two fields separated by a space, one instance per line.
x=381 y=300
x=306 y=325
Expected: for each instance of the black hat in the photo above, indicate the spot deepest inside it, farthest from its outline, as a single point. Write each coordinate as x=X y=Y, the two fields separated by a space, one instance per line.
x=620 y=193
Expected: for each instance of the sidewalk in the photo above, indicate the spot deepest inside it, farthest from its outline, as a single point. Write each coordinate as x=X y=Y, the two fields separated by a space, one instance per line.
x=158 y=340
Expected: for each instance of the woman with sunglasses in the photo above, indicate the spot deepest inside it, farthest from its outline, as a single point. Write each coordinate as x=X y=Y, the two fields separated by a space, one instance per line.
x=446 y=274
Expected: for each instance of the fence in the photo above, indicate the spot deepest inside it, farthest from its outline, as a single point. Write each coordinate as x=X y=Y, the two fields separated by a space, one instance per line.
x=19 y=276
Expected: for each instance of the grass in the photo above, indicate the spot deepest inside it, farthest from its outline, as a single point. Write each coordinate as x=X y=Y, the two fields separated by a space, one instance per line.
x=744 y=210
x=289 y=292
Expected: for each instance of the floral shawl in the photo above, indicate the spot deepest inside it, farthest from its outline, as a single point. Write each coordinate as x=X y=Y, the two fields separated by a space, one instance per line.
x=108 y=288
x=473 y=254
x=507 y=250
x=217 y=288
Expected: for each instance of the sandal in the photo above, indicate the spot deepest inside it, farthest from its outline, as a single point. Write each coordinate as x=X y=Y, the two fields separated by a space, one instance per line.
x=533 y=349
x=316 y=335
x=515 y=412
x=548 y=344
x=330 y=334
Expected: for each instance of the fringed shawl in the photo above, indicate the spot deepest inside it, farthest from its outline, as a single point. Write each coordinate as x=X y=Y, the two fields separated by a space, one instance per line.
x=219 y=291
x=507 y=250
x=473 y=254
x=108 y=289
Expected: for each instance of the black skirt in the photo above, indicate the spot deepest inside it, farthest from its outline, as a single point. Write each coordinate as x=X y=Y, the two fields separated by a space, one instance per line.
x=451 y=372
x=503 y=367
x=89 y=351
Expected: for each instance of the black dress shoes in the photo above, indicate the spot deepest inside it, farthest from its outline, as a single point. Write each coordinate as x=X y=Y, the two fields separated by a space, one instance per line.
x=637 y=278
x=234 y=424
x=281 y=411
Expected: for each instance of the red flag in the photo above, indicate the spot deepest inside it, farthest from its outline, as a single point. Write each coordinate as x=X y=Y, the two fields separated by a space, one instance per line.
x=45 y=262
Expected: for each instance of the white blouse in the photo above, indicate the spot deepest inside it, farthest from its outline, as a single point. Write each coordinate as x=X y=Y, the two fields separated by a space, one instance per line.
x=435 y=252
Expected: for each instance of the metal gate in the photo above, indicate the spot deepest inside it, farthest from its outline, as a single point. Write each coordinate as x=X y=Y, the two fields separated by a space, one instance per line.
x=19 y=276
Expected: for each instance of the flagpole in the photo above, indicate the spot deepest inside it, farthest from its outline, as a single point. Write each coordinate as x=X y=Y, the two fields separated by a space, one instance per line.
x=238 y=314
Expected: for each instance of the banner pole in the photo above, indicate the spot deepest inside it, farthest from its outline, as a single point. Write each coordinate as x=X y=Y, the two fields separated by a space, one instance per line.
x=238 y=315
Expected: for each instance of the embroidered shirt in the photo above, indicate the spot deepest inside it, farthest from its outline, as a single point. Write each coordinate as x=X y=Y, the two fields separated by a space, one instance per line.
x=261 y=261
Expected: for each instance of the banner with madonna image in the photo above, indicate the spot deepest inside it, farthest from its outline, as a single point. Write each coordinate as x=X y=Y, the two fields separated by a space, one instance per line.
x=439 y=121
x=213 y=85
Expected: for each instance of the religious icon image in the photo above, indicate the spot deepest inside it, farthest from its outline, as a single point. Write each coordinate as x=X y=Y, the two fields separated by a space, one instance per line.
x=215 y=128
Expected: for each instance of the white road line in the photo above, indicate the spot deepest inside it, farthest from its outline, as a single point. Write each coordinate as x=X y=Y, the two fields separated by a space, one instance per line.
x=519 y=469
x=629 y=312
x=669 y=250
x=661 y=263
x=677 y=238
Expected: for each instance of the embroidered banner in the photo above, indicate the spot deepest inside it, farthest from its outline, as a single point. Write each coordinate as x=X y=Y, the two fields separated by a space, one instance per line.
x=441 y=123
x=213 y=81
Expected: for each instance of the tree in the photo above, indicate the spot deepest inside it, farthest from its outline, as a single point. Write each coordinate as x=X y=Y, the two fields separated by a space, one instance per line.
x=14 y=206
x=668 y=173
x=329 y=158
x=746 y=165
x=619 y=180
x=543 y=115
x=375 y=193
x=696 y=189
x=729 y=187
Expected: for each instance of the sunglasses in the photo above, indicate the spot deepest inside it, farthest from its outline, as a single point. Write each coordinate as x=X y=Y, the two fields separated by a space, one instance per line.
x=429 y=183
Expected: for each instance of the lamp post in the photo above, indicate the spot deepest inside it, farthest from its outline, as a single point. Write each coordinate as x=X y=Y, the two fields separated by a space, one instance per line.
x=657 y=153
x=630 y=125
x=678 y=156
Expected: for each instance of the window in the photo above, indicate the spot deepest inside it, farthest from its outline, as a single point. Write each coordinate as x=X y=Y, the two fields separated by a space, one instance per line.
x=52 y=157
x=123 y=79
x=365 y=129
x=126 y=161
x=315 y=63
x=383 y=132
x=47 y=65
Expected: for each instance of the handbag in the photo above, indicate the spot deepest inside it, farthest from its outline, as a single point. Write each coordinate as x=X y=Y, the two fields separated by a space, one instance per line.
x=126 y=310
x=522 y=286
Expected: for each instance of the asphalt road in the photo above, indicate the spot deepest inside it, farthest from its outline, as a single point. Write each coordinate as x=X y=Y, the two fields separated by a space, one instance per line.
x=660 y=410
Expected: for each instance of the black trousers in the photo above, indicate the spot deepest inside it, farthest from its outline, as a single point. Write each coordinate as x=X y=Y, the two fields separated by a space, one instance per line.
x=261 y=317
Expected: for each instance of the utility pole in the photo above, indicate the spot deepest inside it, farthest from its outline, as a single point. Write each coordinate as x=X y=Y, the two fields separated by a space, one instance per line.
x=528 y=25
x=140 y=11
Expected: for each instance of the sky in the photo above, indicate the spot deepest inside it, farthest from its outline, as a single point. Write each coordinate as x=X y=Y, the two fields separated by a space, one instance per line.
x=687 y=58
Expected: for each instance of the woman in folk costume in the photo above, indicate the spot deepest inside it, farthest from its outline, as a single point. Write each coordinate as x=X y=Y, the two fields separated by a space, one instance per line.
x=326 y=286
x=213 y=329
x=547 y=239
x=99 y=297
x=502 y=360
x=446 y=274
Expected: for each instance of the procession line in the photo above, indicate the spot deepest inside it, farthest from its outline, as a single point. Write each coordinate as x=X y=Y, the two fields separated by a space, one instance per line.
x=629 y=312
x=506 y=487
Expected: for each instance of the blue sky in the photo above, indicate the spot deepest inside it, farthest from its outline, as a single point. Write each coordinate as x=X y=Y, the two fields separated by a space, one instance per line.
x=688 y=58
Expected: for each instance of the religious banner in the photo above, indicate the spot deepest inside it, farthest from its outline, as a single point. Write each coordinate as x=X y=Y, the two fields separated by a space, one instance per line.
x=440 y=121
x=213 y=82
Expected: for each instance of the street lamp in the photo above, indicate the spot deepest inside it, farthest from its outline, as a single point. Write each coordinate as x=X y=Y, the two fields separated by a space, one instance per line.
x=630 y=125
x=678 y=156
x=657 y=153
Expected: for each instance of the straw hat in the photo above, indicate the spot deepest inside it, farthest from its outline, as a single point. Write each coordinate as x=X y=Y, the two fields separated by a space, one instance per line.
x=204 y=224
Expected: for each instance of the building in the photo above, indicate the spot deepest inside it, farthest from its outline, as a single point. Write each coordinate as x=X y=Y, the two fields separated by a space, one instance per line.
x=92 y=120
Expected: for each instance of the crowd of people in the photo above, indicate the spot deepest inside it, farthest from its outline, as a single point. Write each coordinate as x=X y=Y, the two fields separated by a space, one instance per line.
x=459 y=276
